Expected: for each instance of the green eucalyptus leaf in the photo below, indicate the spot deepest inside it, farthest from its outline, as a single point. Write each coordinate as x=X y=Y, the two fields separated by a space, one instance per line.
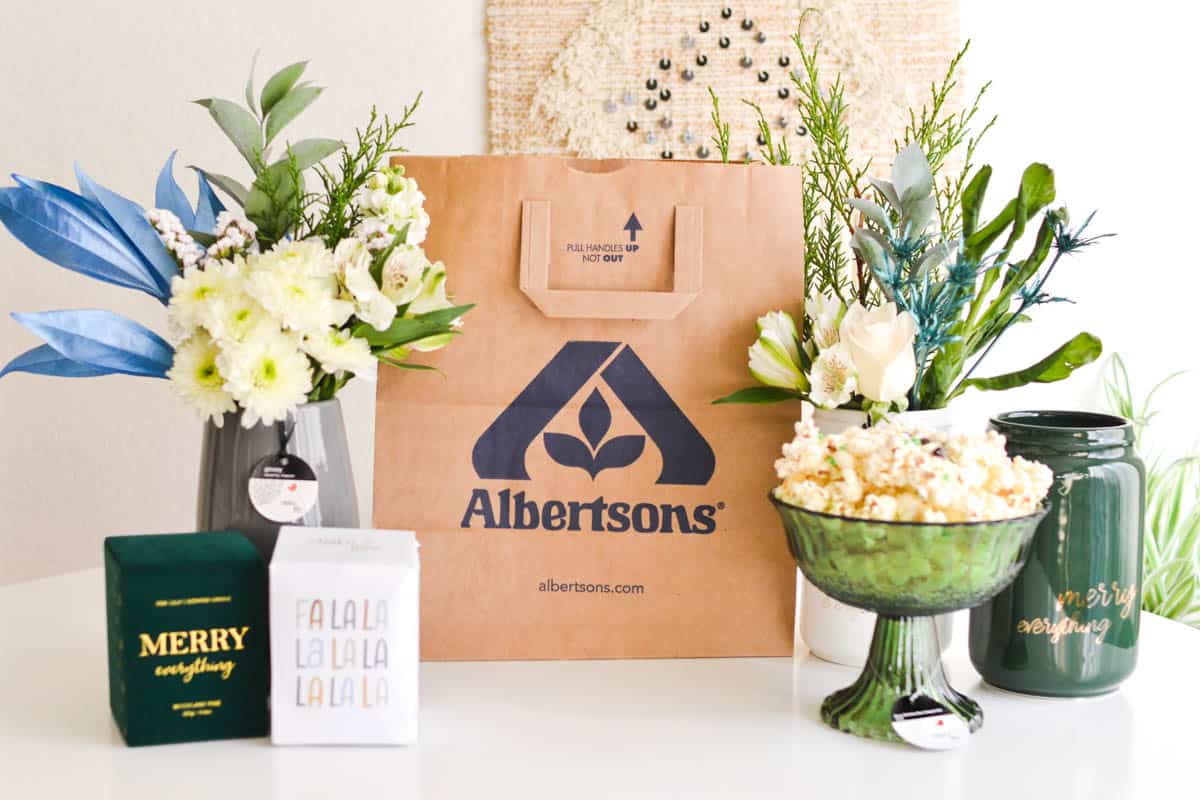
x=972 y=199
x=226 y=184
x=279 y=84
x=758 y=395
x=871 y=247
x=887 y=190
x=911 y=175
x=309 y=152
x=918 y=213
x=1079 y=351
x=289 y=107
x=250 y=84
x=239 y=125
x=933 y=258
x=872 y=211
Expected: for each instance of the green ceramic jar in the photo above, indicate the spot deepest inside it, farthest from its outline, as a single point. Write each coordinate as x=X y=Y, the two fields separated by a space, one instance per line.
x=1068 y=625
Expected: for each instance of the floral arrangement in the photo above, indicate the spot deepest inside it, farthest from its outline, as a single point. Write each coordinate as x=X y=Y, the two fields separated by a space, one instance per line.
x=910 y=287
x=278 y=302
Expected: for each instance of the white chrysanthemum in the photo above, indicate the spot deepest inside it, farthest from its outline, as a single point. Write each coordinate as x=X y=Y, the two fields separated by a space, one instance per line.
x=402 y=273
x=295 y=283
x=237 y=318
x=353 y=262
x=339 y=351
x=195 y=376
x=834 y=379
x=433 y=292
x=268 y=375
x=192 y=296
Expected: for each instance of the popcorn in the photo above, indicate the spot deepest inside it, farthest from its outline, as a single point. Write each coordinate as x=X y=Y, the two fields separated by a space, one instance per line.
x=900 y=472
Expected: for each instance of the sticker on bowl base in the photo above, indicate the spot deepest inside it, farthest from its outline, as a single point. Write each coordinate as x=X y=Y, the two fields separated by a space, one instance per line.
x=924 y=722
x=283 y=488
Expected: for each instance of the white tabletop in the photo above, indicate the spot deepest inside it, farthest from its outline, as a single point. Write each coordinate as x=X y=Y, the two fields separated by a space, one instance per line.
x=720 y=728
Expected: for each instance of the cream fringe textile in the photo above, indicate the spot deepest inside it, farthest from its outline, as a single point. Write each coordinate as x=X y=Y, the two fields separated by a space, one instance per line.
x=557 y=68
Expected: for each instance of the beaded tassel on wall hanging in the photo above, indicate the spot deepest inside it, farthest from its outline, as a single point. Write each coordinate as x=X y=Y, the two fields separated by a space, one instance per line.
x=630 y=78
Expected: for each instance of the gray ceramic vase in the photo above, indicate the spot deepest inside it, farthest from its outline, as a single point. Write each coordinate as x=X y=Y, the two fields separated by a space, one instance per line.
x=229 y=454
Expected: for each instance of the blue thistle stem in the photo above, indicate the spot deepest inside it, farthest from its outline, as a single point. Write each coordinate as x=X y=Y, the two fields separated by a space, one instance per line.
x=1025 y=303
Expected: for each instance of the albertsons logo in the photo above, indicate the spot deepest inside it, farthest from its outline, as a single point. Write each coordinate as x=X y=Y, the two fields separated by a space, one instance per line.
x=499 y=454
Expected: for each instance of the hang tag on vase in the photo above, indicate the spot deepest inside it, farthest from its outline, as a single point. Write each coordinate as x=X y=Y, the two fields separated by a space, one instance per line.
x=925 y=723
x=283 y=487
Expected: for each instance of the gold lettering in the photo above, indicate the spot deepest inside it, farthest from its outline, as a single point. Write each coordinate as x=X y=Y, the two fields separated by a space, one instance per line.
x=178 y=640
x=220 y=638
x=199 y=641
x=153 y=647
x=238 y=635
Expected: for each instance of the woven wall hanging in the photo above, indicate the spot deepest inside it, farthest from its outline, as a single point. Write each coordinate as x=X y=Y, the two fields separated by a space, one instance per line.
x=630 y=78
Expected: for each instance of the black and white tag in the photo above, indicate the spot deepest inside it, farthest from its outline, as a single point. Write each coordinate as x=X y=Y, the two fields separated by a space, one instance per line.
x=923 y=722
x=283 y=488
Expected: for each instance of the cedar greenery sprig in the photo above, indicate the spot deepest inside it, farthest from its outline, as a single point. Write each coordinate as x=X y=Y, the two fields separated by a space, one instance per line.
x=338 y=214
x=721 y=136
x=941 y=132
x=831 y=180
x=778 y=156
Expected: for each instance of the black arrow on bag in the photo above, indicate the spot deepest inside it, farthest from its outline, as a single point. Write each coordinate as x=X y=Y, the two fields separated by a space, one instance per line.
x=633 y=226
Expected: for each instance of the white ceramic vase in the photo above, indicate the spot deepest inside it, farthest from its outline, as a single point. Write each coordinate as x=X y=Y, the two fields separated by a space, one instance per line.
x=834 y=631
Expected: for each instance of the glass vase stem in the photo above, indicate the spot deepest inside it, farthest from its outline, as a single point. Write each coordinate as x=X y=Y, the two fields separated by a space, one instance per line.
x=904 y=661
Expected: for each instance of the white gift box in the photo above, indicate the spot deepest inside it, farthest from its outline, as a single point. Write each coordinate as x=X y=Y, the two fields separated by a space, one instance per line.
x=345 y=646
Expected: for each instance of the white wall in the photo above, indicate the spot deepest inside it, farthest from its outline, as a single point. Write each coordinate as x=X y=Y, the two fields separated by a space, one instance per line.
x=1096 y=90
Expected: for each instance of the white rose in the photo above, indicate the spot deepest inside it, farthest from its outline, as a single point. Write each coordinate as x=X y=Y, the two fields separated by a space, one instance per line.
x=880 y=342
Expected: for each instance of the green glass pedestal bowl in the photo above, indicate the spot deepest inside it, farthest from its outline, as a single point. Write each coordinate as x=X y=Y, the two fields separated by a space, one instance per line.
x=906 y=573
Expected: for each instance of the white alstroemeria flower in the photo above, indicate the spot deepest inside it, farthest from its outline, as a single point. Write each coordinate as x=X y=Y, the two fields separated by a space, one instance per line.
x=353 y=261
x=880 y=343
x=295 y=283
x=783 y=327
x=402 y=273
x=197 y=379
x=268 y=375
x=825 y=314
x=834 y=378
x=338 y=351
x=771 y=364
x=433 y=292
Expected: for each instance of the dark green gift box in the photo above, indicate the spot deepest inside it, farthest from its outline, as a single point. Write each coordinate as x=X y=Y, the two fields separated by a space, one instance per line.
x=187 y=637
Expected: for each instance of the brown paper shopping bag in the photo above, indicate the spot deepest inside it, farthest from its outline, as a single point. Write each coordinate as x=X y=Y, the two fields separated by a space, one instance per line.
x=575 y=493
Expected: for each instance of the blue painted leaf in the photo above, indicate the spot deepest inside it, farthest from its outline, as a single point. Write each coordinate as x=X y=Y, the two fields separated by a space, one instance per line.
x=208 y=205
x=595 y=418
x=130 y=219
x=45 y=360
x=66 y=197
x=169 y=195
x=619 y=451
x=102 y=339
x=569 y=451
x=68 y=234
